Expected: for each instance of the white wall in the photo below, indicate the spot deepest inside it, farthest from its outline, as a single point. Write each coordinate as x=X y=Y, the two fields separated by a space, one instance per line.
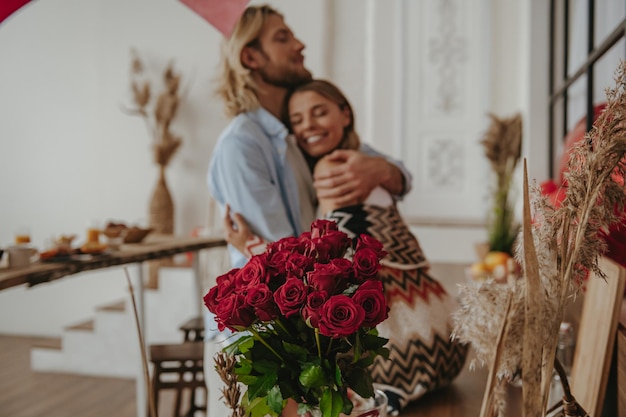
x=69 y=156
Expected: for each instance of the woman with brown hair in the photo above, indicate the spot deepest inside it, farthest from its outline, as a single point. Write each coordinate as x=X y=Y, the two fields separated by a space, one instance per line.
x=422 y=355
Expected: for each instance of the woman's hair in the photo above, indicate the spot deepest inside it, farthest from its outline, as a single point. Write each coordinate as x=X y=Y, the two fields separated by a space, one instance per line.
x=331 y=92
x=236 y=85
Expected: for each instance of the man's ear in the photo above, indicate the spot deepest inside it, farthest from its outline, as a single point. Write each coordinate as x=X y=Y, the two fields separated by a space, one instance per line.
x=250 y=58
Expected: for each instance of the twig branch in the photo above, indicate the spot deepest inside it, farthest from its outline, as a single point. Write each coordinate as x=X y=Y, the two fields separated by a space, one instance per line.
x=142 y=348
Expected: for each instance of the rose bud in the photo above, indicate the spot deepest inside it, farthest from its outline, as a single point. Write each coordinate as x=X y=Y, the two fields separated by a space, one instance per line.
x=370 y=296
x=340 y=316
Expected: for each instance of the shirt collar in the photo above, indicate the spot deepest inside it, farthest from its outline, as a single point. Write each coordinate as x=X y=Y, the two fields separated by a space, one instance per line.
x=270 y=124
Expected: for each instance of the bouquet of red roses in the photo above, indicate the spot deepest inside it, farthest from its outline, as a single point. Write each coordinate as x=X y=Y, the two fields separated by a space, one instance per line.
x=309 y=317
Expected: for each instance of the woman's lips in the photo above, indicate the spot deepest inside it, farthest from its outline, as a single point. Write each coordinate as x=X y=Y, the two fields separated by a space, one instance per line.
x=313 y=139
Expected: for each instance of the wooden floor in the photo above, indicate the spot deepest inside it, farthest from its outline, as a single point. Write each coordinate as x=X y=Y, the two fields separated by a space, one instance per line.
x=25 y=393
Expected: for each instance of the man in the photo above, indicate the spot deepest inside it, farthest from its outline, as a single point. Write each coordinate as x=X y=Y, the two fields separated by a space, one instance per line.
x=255 y=167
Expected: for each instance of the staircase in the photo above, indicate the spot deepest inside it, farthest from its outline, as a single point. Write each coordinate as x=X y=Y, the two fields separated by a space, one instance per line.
x=107 y=344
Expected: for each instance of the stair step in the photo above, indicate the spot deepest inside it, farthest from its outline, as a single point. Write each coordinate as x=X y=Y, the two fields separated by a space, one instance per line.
x=119 y=306
x=86 y=326
x=48 y=343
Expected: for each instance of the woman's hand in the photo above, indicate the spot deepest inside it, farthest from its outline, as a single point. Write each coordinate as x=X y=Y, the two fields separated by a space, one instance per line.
x=347 y=177
x=236 y=230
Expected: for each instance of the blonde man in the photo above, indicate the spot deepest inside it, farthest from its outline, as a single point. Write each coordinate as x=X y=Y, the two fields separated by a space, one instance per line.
x=257 y=168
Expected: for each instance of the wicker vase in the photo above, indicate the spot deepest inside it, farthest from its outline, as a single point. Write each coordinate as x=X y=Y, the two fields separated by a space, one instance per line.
x=162 y=207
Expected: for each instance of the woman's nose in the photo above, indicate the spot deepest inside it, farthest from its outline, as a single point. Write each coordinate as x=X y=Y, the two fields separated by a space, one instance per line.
x=308 y=123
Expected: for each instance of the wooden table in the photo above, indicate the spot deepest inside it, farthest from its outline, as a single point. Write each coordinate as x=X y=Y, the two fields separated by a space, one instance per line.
x=153 y=248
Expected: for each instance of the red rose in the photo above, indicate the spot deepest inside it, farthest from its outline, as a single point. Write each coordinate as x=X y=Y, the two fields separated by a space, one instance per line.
x=227 y=283
x=370 y=296
x=290 y=244
x=340 y=316
x=290 y=296
x=298 y=264
x=365 y=263
x=332 y=277
x=339 y=242
x=211 y=299
x=234 y=312
x=321 y=250
x=225 y=286
x=320 y=227
x=276 y=264
x=261 y=299
x=253 y=273
x=367 y=241
x=311 y=311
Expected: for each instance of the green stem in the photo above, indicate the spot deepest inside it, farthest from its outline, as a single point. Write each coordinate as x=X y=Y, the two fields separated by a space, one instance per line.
x=260 y=339
x=281 y=325
x=317 y=341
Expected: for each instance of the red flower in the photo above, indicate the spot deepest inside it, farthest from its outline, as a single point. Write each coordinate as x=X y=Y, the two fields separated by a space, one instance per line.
x=320 y=227
x=225 y=286
x=253 y=273
x=340 y=316
x=311 y=311
x=304 y=291
x=290 y=296
x=370 y=296
x=298 y=264
x=366 y=265
x=332 y=277
x=367 y=241
x=261 y=299
x=233 y=312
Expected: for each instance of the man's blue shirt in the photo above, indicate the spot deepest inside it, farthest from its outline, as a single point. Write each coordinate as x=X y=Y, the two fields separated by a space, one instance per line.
x=250 y=172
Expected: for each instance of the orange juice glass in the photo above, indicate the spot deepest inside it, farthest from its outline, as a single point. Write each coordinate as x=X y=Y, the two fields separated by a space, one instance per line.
x=22 y=239
x=93 y=235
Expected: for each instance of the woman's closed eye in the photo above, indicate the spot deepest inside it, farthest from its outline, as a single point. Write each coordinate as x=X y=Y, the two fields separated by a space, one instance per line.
x=319 y=111
x=295 y=119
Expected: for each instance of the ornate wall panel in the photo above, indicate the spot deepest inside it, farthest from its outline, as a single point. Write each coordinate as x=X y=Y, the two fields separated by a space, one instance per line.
x=447 y=64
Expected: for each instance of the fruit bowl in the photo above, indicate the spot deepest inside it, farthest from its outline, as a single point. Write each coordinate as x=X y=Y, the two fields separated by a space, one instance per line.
x=136 y=234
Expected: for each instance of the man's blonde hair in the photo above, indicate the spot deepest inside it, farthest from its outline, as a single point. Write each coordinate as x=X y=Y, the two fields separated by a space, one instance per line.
x=236 y=85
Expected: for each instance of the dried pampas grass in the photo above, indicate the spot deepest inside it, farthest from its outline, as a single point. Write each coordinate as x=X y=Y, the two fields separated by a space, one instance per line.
x=502 y=144
x=160 y=115
x=231 y=392
x=557 y=249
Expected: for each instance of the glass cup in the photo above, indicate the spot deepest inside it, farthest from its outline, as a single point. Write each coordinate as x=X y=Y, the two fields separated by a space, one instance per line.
x=22 y=236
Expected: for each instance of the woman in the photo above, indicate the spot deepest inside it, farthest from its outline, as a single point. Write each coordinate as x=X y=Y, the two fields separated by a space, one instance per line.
x=422 y=356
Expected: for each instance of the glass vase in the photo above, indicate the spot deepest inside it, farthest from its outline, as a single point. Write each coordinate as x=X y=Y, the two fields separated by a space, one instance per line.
x=363 y=407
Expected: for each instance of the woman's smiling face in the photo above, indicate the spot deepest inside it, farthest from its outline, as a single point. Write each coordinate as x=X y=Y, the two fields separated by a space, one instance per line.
x=317 y=122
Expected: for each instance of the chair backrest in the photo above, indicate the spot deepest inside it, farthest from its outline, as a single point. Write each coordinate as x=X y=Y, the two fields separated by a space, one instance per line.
x=596 y=336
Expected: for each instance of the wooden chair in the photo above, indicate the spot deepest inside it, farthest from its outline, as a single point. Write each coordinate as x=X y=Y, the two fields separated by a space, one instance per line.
x=193 y=329
x=179 y=367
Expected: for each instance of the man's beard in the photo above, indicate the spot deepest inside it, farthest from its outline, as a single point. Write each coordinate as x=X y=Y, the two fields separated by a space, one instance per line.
x=283 y=77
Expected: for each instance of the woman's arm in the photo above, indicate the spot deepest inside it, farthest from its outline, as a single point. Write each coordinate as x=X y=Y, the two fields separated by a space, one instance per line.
x=238 y=233
x=357 y=174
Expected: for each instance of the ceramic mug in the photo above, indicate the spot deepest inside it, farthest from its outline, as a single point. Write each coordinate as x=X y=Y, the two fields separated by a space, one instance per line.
x=20 y=255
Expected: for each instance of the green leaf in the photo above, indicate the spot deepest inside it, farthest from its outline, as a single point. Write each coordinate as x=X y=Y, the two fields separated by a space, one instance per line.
x=265 y=366
x=373 y=342
x=275 y=399
x=331 y=403
x=243 y=344
x=258 y=407
x=247 y=379
x=299 y=353
x=244 y=367
x=360 y=380
x=262 y=385
x=313 y=376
